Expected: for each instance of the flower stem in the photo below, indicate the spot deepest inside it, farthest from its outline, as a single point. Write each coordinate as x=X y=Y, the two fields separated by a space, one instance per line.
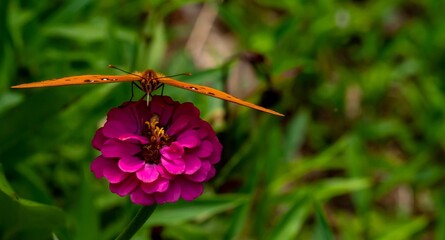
x=136 y=223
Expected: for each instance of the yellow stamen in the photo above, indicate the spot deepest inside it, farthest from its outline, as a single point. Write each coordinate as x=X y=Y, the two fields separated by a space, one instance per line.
x=157 y=137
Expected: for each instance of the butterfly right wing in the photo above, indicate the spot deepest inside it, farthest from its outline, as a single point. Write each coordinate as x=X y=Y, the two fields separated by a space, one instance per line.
x=214 y=93
x=79 y=80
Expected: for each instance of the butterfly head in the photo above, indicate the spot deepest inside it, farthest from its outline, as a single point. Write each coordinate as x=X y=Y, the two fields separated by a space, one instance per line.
x=150 y=81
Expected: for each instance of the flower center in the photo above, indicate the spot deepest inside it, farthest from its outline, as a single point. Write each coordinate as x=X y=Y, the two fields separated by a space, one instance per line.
x=157 y=139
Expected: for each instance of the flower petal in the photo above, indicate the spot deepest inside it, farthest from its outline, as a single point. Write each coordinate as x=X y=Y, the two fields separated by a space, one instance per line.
x=160 y=185
x=116 y=148
x=148 y=173
x=125 y=187
x=121 y=114
x=189 y=139
x=211 y=173
x=201 y=174
x=130 y=164
x=183 y=123
x=175 y=167
x=172 y=194
x=163 y=107
x=115 y=128
x=190 y=190
x=98 y=166
x=140 y=197
x=205 y=130
x=192 y=164
x=174 y=151
x=178 y=126
x=99 y=139
x=113 y=173
x=187 y=109
x=133 y=138
x=217 y=149
x=164 y=173
x=204 y=150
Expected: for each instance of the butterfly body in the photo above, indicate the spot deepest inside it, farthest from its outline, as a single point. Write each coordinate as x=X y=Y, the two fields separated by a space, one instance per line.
x=149 y=80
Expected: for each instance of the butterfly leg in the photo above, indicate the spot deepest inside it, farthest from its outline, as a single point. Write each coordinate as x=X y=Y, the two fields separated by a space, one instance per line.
x=132 y=91
x=133 y=84
x=162 y=90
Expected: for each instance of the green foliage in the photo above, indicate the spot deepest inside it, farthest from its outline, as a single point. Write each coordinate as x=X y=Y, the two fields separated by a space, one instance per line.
x=359 y=155
x=26 y=219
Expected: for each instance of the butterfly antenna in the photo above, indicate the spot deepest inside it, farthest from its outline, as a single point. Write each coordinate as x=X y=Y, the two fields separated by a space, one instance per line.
x=122 y=70
x=175 y=75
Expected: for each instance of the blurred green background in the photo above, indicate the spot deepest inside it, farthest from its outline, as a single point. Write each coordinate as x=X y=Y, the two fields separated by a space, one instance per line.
x=359 y=155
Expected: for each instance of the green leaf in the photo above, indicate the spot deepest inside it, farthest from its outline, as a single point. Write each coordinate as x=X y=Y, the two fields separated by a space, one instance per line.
x=25 y=218
x=406 y=230
x=199 y=209
x=293 y=220
x=322 y=229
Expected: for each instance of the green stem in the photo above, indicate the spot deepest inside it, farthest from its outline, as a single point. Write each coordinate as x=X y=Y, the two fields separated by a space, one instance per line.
x=136 y=223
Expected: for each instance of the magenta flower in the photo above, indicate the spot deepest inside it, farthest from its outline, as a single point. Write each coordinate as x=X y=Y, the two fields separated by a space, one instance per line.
x=156 y=154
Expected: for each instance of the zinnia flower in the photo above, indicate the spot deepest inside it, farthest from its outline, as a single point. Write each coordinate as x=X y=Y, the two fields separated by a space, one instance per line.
x=156 y=154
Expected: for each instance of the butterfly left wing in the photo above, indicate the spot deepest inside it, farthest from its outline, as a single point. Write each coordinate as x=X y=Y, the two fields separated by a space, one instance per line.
x=214 y=93
x=79 y=80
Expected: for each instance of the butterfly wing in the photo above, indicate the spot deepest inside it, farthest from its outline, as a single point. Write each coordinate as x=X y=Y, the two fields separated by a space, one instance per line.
x=78 y=80
x=214 y=93
x=95 y=79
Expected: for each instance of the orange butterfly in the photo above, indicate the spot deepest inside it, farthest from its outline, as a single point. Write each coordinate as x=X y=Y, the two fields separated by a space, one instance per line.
x=149 y=80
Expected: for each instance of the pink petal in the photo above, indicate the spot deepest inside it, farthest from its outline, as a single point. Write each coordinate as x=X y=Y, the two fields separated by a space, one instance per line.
x=189 y=139
x=171 y=195
x=115 y=128
x=113 y=173
x=124 y=114
x=216 y=155
x=141 y=198
x=204 y=150
x=164 y=173
x=116 y=148
x=183 y=123
x=201 y=174
x=190 y=190
x=99 y=139
x=98 y=165
x=148 y=173
x=205 y=130
x=192 y=164
x=130 y=164
x=141 y=113
x=163 y=107
x=119 y=113
x=160 y=185
x=174 y=151
x=133 y=138
x=210 y=174
x=179 y=125
x=125 y=187
x=186 y=109
x=175 y=167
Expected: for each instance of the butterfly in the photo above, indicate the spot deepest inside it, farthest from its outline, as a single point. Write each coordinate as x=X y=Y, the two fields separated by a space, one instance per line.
x=149 y=80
